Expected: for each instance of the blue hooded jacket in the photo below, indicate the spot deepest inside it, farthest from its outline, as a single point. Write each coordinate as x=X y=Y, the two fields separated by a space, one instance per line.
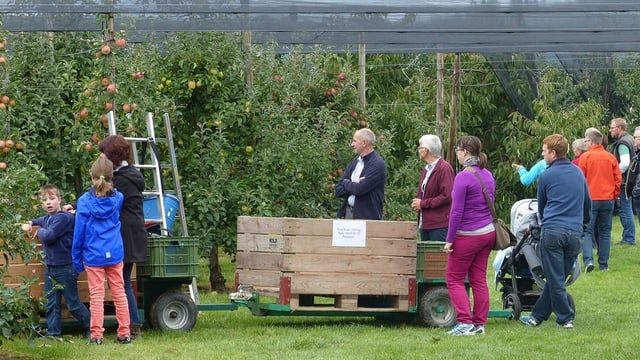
x=97 y=240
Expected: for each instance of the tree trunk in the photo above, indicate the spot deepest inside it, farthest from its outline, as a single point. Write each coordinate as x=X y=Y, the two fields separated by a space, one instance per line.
x=216 y=280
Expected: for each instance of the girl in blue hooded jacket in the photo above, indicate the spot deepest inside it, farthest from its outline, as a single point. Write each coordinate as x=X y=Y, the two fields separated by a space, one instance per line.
x=98 y=250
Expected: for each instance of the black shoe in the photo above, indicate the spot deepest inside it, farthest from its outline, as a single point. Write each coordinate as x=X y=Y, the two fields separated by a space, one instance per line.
x=124 y=341
x=626 y=243
x=95 y=341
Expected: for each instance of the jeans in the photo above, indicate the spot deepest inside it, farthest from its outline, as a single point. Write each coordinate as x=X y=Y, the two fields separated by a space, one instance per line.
x=433 y=234
x=602 y=216
x=626 y=219
x=559 y=249
x=65 y=281
x=131 y=297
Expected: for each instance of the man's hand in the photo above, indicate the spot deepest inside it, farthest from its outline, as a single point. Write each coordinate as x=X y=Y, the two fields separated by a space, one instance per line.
x=415 y=204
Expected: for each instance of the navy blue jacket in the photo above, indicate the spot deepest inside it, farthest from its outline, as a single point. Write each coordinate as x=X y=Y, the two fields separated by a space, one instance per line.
x=97 y=240
x=563 y=196
x=369 y=192
x=56 y=234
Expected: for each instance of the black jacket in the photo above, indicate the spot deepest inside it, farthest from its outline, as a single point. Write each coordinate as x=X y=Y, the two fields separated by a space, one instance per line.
x=130 y=182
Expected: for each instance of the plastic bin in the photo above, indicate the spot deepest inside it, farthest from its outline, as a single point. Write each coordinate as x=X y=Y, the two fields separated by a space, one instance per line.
x=170 y=257
x=151 y=208
x=431 y=261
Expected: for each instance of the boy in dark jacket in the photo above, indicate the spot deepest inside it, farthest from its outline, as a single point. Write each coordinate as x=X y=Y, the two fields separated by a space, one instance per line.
x=56 y=235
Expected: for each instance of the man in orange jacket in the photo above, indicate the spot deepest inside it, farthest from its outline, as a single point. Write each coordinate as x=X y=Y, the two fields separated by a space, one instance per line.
x=603 y=177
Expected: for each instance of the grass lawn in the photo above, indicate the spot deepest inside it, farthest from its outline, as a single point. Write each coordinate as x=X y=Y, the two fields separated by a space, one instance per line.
x=606 y=327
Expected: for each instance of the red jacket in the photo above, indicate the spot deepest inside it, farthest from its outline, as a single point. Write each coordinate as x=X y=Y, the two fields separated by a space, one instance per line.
x=435 y=201
x=602 y=172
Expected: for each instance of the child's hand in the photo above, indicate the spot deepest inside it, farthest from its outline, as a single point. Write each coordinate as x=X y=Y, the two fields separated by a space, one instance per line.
x=26 y=227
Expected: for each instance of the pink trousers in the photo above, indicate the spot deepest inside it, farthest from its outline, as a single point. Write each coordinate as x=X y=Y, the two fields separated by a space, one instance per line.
x=96 y=277
x=469 y=260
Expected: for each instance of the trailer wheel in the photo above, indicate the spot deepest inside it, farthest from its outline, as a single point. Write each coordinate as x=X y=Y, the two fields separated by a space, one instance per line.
x=435 y=308
x=173 y=310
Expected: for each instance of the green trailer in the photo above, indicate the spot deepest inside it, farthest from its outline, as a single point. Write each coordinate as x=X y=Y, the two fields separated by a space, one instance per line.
x=427 y=297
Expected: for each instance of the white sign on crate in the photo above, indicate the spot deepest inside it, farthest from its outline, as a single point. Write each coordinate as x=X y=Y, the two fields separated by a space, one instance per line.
x=351 y=233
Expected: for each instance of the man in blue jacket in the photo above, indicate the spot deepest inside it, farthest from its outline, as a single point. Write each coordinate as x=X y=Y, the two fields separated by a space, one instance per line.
x=564 y=206
x=363 y=181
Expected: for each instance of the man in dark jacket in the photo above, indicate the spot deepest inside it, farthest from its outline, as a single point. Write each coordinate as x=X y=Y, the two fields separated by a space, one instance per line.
x=363 y=181
x=623 y=149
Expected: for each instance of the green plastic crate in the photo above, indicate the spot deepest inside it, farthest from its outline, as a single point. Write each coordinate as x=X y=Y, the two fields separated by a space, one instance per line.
x=431 y=261
x=170 y=257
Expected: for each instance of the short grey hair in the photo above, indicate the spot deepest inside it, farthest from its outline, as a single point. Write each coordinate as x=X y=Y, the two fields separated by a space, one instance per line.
x=367 y=135
x=579 y=144
x=594 y=135
x=431 y=143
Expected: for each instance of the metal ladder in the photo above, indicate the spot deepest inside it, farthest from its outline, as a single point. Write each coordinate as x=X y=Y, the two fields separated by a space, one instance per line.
x=156 y=166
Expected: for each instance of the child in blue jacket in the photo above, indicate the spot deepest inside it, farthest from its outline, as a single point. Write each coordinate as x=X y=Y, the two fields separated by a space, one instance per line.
x=60 y=279
x=98 y=249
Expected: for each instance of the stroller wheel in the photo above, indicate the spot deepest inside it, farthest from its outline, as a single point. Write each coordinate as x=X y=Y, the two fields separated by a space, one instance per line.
x=512 y=301
x=572 y=303
x=435 y=308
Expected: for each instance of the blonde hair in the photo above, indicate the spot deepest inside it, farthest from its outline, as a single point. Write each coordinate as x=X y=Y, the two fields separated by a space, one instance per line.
x=101 y=176
x=49 y=189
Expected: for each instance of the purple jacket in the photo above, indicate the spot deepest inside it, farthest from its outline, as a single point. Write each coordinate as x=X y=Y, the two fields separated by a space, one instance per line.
x=469 y=210
x=435 y=201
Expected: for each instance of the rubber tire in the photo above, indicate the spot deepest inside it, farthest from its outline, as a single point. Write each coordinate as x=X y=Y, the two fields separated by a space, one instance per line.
x=512 y=301
x=173 y=310
x=435 y=308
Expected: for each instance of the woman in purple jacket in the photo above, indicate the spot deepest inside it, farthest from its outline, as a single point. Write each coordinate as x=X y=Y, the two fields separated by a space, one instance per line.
x=470 y=238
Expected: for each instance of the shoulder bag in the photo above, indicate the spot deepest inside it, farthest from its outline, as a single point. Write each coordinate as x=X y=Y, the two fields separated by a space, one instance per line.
x=504 y=237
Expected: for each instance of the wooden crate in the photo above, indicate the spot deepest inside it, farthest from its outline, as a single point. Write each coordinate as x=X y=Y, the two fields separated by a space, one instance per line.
x=295 y=261
x=35 y=268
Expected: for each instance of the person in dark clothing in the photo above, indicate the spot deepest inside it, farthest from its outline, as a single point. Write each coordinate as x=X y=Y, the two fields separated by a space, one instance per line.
x=56 y=235
x=363 y=181
x=128 y=180
x=624 y=150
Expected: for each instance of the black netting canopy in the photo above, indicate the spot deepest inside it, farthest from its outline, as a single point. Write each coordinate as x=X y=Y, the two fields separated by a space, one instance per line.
x=408 y=26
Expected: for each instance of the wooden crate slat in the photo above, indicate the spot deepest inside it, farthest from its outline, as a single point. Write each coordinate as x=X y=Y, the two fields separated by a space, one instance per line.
x=259 y=261
x=313 y=227
x=260 y=242
x=335 y=263
x=259 y=278
x=374 y=246
x=261 y=225
x=393 y=229
x=345 y=283
x=29 y=271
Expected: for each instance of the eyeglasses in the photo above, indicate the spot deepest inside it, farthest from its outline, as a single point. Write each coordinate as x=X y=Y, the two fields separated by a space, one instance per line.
x=421 y=148
x=459 y=149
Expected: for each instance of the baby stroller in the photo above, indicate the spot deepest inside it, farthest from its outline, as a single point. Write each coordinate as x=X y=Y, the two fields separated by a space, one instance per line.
x=518 y=268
